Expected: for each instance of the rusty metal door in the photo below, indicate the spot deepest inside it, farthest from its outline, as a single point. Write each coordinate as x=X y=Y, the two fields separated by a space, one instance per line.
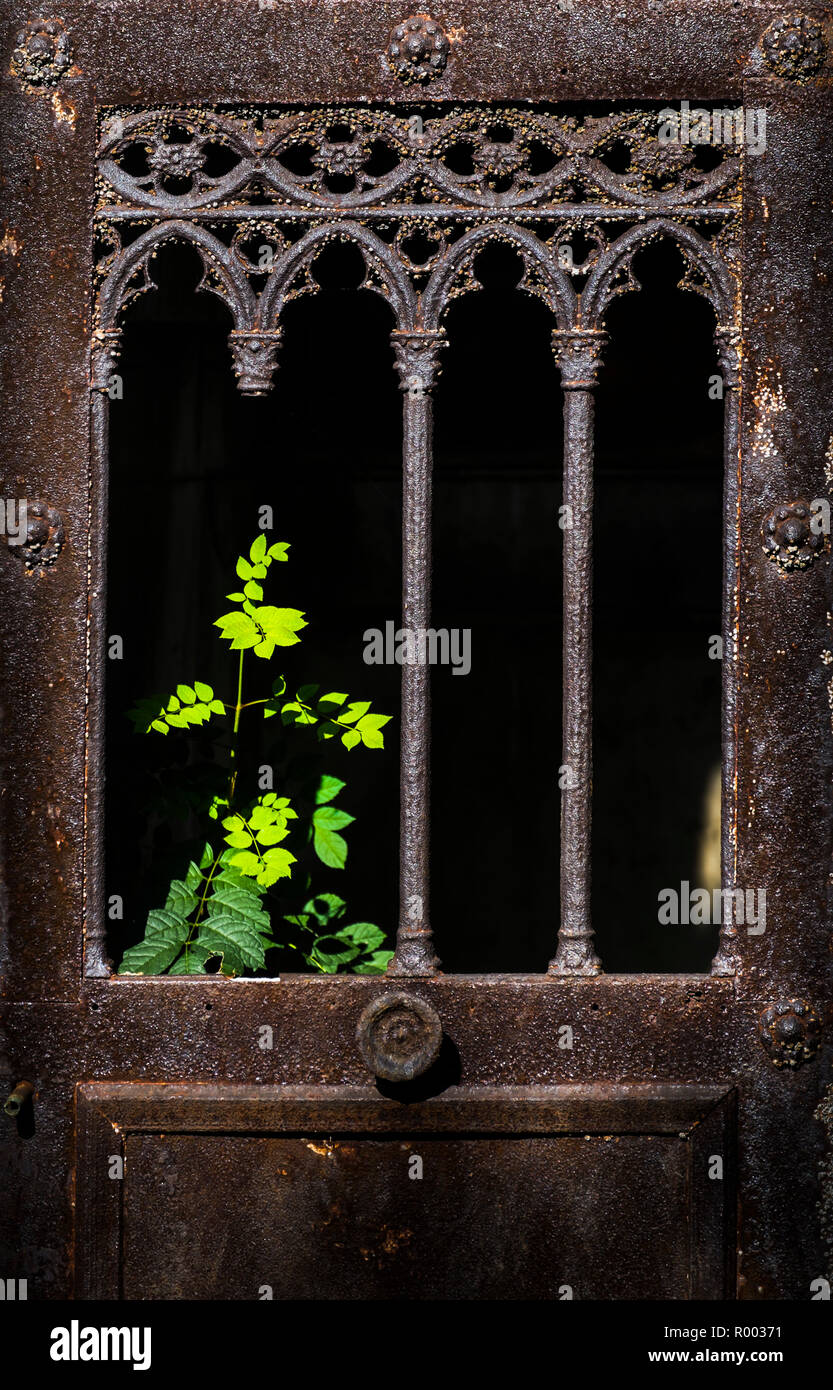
x=673 y=1150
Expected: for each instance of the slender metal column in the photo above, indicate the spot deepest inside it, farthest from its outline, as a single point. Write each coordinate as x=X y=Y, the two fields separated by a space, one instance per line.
x=105 y=357
x=728 y=350
x=417 y=361
x=577 y=353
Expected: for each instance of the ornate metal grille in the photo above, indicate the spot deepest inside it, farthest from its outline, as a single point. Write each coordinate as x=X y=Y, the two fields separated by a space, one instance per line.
x=420 y=192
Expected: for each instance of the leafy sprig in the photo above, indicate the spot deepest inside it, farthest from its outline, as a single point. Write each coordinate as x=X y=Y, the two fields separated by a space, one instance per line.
x=217 y=914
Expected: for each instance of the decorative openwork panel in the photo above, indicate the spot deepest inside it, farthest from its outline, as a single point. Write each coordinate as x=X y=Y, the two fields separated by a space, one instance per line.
x=421 y=192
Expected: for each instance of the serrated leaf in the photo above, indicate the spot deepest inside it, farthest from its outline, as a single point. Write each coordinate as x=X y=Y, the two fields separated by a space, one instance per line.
x=328 y=789
x=163 y=921
x=232 y=938
x=280 y=625
x=354 y=711
x=331 y=818
x=271 y=834
x=181 y=901
x=325 y=907
x=370 y=726
x=330 y=847
x=375 y=964
x=239 y=629
x=193 y=877
x=336 y=953
x=239 y=839
x=246 y=861
x=364 y=934
x=158 y=950
x=192 y=961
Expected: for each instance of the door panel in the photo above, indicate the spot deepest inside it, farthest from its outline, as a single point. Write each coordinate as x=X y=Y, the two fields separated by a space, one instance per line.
x=617 y=1200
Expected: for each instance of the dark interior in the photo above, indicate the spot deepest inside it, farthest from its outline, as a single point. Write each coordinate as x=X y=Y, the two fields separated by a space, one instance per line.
x=192 y=462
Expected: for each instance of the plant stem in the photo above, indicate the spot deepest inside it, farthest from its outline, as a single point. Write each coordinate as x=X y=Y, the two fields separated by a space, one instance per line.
x=238 y=707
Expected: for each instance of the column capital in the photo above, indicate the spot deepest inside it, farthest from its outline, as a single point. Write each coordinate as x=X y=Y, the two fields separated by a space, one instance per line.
x=254 y=352
x=578 y=353
x=416 y=353
x=727 y=339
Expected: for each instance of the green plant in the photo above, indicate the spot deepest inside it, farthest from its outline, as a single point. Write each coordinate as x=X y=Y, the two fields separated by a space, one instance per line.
x=218 y=915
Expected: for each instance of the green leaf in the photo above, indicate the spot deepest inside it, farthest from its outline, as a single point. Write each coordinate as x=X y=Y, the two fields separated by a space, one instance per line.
x=279 y=627
x=328 y=789
x=257 y=549
x=364 y=934
x=253 y=590
x=246 y=861
x=351 y=738
x=163 y=921
x=325 y=907
x=375 y=964
x=354 y=711
x=243 y=568
x=239 y=839
x=180 y=900
x=236 y=597
x=369 y=727
x=271 y=835
x=330 y=847
x=278 y=550
x=203 y=691
x=331 y=818
x=163 y=941
x=239 y=629
x=186 y=694
x=231 y=937
x=192 y=961
x=337 y=953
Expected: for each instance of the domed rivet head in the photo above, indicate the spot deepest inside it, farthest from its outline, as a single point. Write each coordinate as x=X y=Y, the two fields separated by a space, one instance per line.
x=418 y=49
x=794 y=47
x=399 y=1036
x=42 y=53
x=792 y=537
x=790 y=1031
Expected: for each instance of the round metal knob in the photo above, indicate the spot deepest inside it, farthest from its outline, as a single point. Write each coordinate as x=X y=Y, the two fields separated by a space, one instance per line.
x=399 y=1036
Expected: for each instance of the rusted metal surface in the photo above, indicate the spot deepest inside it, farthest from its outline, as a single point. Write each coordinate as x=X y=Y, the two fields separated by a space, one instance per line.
x=61 y=1029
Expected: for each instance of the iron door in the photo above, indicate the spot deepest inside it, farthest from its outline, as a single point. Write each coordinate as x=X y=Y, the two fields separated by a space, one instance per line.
x=672 y=1150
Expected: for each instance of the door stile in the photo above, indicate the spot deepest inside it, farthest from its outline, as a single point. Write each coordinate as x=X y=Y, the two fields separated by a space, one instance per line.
x=728 y=340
